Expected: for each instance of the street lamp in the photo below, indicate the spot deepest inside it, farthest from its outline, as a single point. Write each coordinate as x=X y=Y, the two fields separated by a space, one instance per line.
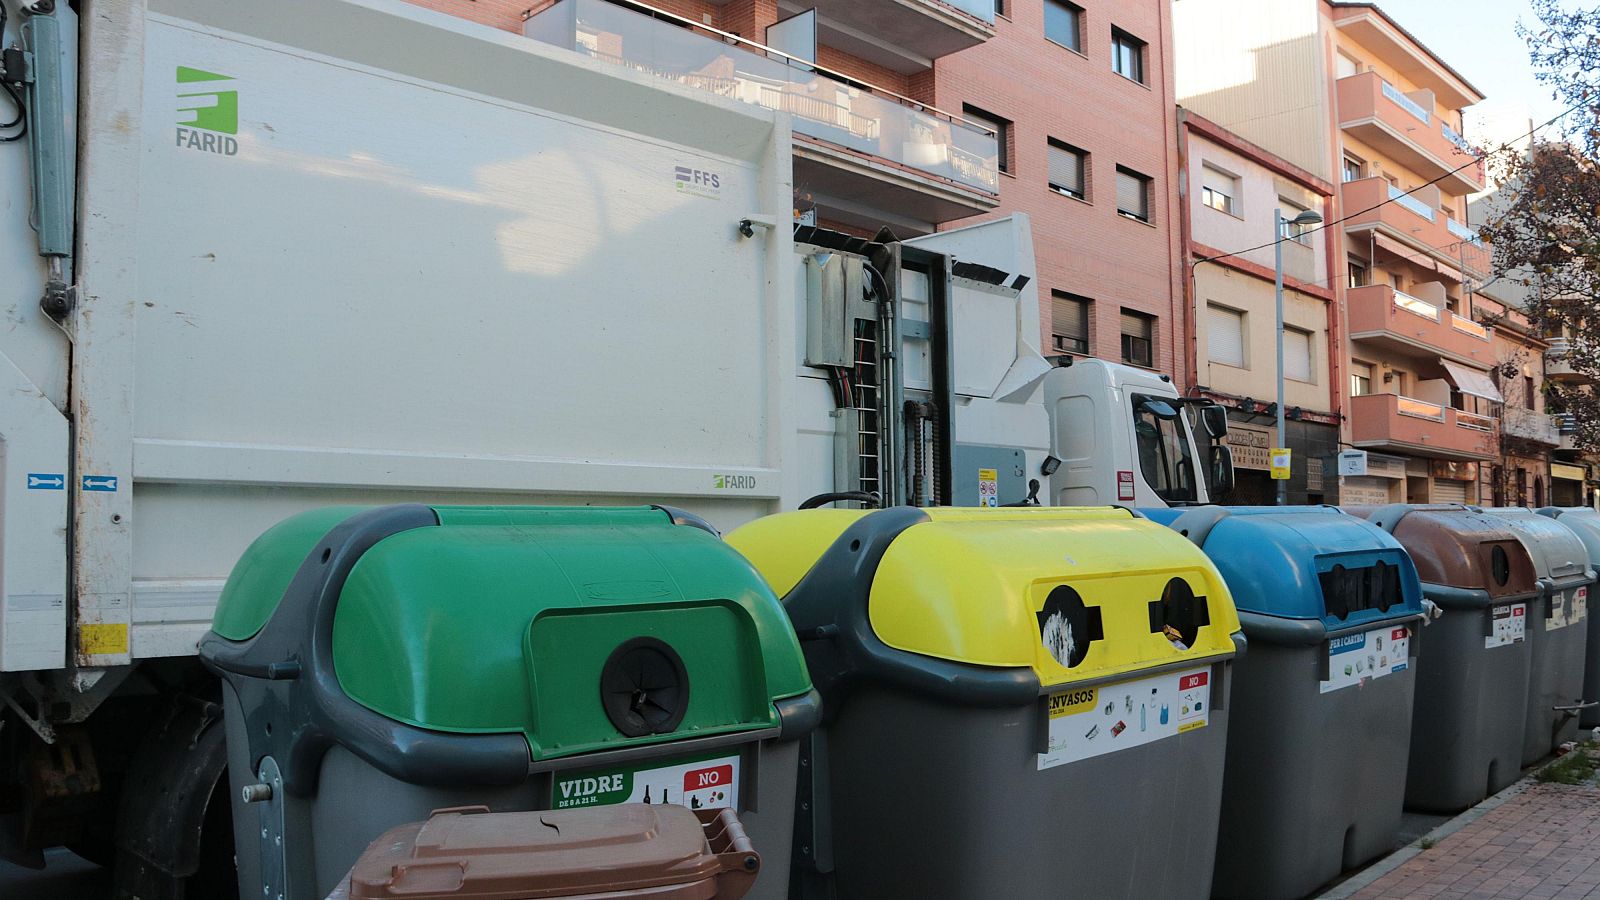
x=1306 y=217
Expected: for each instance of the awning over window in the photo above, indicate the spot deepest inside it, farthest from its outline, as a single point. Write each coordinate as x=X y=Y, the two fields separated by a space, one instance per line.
x=1471 y=381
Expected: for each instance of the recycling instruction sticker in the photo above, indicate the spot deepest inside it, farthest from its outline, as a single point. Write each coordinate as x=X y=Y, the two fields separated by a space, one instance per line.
x=1567 y=608
x=710 y=782
x=1510 y=626
x=988 y=487
x=1090 y=722
x=1356 y=658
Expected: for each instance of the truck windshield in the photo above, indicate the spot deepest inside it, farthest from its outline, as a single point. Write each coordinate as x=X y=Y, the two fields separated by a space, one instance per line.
x=1163 y=449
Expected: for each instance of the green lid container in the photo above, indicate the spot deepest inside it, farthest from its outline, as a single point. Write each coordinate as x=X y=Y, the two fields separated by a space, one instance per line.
x=581 y=629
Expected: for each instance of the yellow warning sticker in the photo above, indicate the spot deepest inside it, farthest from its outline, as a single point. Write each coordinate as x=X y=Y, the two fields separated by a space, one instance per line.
x=96 y=640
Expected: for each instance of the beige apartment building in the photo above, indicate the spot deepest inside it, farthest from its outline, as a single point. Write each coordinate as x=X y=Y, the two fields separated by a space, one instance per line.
x=1345 y=92
x=1230 y=190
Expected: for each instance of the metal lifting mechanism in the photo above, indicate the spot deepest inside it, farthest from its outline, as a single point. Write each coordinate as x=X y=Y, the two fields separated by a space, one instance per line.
x=875 y=311
x=31 y=77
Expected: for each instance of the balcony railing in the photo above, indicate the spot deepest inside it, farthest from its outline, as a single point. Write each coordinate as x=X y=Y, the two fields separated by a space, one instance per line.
x=1410 y=202
x=1465 y=232
x=982 y=10
x=1416 y=307
x=824 y=105
x=1420 y=409
x=1405 y=103
x=1467 y=326
x=1454 y=137
x=1474 y=422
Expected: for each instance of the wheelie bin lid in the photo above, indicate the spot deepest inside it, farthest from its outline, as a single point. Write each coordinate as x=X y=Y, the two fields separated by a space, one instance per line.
x=1559 y=556
x=538 y=622
x=664 y=851
x=1313 y=564
x=1584 y=522
x=1050 y=595
x=1466 y=558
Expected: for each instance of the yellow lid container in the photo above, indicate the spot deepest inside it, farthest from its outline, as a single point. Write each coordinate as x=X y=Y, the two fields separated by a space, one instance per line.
x=1074 y=594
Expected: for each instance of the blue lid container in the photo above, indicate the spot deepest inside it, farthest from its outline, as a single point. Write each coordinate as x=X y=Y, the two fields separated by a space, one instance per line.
x=1312 y=570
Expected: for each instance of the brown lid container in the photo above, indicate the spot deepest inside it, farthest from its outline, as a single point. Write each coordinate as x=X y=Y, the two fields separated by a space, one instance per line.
x=661 y=851
x=1458 y=546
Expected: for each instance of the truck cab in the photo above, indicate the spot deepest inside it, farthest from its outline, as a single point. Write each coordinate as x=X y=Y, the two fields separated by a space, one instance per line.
x=1123 y=435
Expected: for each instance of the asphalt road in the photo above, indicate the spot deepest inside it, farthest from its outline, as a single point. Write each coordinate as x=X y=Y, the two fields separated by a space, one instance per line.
x=64 y=877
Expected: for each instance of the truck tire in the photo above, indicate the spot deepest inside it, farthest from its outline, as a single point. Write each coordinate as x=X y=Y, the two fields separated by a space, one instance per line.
x=174 y=827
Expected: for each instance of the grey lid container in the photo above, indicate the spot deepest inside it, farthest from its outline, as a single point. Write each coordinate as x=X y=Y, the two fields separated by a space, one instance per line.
x=1557 y=638
x=1472 y=662
x=1585 y=523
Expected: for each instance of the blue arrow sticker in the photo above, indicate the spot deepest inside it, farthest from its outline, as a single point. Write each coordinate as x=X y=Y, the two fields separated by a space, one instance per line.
x=99 y=482
x=48 y=481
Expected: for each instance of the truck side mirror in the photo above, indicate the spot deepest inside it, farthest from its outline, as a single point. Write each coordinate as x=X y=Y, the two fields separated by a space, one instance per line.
x=1221 y=468
x=1215 y=420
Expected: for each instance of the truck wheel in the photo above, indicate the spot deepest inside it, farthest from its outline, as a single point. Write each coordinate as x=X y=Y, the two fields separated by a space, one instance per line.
x=174 y=827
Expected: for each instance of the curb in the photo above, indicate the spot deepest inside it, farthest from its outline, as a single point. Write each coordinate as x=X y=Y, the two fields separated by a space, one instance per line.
x=1367 y=876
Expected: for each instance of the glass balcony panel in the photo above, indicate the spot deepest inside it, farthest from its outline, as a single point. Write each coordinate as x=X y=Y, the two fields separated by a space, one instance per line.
x=821 y=107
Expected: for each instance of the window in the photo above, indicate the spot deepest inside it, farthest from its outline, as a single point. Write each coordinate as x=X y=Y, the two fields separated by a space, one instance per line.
x=1127 y=55
x=1133 y=194
x=1069 y=322
x=1069 y=169
x=1345 y=66
x=1527 y=391
x=1062 y=24
x=999 y=7
x=1000 y=127
x=1138 y=336
x=1218 y=190
x=1225 y=341
x=1358 y=274
x=1353 y=168
x=1164 y=458
x=1300 y=234
x=1360 y=378
x=1297 y=354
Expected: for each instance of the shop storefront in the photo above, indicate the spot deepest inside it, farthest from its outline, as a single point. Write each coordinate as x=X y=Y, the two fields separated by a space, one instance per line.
x=1566 y=484
x=1310 y=443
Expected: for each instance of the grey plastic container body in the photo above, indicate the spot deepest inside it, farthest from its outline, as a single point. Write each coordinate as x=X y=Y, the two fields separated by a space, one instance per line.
x=1471 y=705
x=1557 y=635
x=356 y=802
x=931 y=800
x=1585 y=523
x=1300 y=805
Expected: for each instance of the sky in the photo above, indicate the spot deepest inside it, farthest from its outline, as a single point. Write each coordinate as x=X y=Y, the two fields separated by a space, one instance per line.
x=1478 y=38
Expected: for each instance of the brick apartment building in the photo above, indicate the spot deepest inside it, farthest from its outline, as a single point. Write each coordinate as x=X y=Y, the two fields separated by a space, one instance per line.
x=929 y=114
x=1343 y=91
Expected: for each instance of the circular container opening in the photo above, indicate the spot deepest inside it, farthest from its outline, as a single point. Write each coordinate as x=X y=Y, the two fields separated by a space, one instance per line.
x=644 y=687
x=1500 y=566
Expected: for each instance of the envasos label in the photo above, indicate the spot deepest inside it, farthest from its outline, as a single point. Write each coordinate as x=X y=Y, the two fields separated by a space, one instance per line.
x=1567 y=608
x=1356 y=658
x=1510 y=626
x=1090 y=722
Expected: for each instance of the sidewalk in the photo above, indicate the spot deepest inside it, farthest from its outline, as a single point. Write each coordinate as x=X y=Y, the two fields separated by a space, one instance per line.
x=1538 y=839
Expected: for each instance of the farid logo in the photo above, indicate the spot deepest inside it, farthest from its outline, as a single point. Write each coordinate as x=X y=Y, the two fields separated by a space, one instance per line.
x=209 y=116
x=733 y=482
x=698 y=182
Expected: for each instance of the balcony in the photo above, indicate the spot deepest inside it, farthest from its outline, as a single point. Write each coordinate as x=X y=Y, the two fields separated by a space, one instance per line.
x=1558 y=365
x=1376 y=112
x=1532 y=426
x=1413 y=222
x=904 y=36
x=863 y=155
x=1404 y=324
x=1403 y=424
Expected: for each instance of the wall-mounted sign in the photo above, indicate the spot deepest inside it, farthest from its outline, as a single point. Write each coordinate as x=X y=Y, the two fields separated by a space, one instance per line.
x=1250 y=445
x=1455 y=470
x=1568 y=472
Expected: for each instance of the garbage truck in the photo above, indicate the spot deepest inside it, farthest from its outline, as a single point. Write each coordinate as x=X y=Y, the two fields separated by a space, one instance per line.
x=265 y=257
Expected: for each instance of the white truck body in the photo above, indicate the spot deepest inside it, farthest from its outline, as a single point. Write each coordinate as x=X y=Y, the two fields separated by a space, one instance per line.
x=357 y=252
